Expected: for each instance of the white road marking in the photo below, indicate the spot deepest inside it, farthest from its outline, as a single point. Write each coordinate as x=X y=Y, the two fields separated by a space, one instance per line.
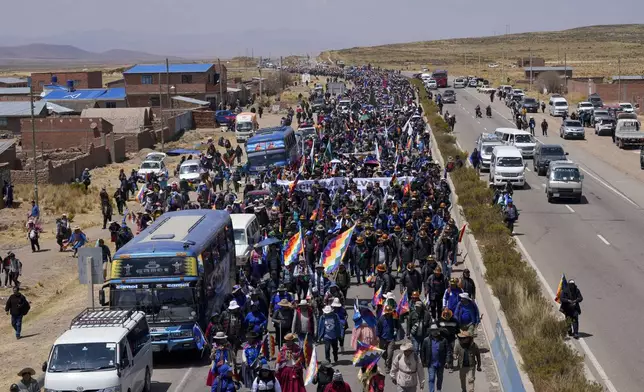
x=598 y=367
x=604 y=240
x=570 y=208
x=181 y=386
x=612 y=189
x=635 y=152
x=485 y=128
x=528 y=169
x=543 y=185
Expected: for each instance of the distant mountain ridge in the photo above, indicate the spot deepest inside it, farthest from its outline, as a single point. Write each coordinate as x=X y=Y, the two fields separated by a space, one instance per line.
x=48 y=52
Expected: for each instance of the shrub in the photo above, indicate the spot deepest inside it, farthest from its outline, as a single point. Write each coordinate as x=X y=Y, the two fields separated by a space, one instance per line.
x=551 y=364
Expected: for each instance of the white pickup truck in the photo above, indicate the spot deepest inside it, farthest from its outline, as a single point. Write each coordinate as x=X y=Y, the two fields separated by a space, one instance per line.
x=628 y=134
x=485 y=89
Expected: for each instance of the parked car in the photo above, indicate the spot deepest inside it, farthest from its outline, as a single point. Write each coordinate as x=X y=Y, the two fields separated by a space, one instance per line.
x=224 y=117
x=604 y=125
x=431 y=84
x=156 y=167
x=531 y=105
x=544 y=154
x=459 y=83
x=627 y=107
x=598 y=115
x=596 y=100
x=585 y=107
x=473 y=82
x=572 y=129
x=449 y=96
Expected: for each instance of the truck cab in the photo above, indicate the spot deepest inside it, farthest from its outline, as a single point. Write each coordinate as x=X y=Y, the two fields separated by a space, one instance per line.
x=564 y=181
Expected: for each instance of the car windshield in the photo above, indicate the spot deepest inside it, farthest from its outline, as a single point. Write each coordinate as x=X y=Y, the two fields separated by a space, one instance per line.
x=155 y=157
x=573 y=123
x=244 y=126
x=188 y=169
x=626 y=105
x=510 y=162
x=487 y=149
x=150 y=165
x=552 y=151
x=585 y=105
x=561 y=103
x=240 y=237
x=448 y=92
x=523 y=139
x=601 y=113
x=565 y=174
x=529 y=100
x=83 y=357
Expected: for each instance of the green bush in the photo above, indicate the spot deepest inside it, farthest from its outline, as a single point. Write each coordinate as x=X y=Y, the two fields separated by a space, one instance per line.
x=551 y=364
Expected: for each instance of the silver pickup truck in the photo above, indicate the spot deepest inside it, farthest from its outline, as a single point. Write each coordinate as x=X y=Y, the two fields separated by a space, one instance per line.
x=628 y=134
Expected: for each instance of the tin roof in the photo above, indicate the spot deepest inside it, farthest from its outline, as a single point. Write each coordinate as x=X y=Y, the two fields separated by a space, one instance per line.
x=6 y=144
x=11 y=80
x=191 y=100
x=20 y=108
x=628 y=77
x=544 y=69
x=173 y=68
x=14 y=90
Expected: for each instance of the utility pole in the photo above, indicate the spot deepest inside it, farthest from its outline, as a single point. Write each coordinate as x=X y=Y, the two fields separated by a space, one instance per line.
x=465 y=60
x=167 y=80
x=530 y=68
x=162 y=116
x=221 y=86
x=619 y=78
x=33 y=138
x=479 y=62
x=566 y=71
x=281 y=73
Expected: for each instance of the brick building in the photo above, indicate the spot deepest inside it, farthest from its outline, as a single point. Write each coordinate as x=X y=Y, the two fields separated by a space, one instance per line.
x=8 y=153
x=198 y=81
x=81 y=79
x=66 y=133
x=14 y=82
x=12 y=112
x=536 y=62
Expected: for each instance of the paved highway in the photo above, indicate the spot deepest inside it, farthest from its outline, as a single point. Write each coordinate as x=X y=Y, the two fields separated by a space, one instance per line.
x=597 y=242
x=181 y=373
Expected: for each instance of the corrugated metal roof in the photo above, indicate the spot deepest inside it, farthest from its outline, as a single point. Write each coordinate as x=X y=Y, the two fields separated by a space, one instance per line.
x=190 y=100
x=14 y=90
x=541 y=69
x=123 y=119
x=6 y=144
x=59 y=109
x=233 y=90
x=77 y=105
x=113 y=94
x=12 y=80
x=173 y=68
x=628 y=77
x=80 y=95
x=20 y=108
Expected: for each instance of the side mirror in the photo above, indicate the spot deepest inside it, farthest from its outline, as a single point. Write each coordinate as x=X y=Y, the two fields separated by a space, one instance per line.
x=125 y=363
x=101 y=298
x=566 y=153
x=581 y=177
x=44 y=366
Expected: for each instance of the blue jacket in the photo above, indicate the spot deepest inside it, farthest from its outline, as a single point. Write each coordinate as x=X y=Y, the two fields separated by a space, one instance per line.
x=329 y=327
x=222 y=384
x=467 y=314
x=386 y=328
x=451 y=299
x=256 y=320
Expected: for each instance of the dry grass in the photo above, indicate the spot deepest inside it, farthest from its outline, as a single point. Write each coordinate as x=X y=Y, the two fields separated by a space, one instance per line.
x=59 y=199
x=592 y=51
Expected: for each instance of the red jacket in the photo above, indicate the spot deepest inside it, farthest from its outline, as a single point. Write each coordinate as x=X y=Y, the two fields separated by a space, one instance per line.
x=334 y=387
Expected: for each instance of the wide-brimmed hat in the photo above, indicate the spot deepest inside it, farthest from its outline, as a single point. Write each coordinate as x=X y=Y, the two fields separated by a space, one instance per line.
x=327 y=309
x=406 y=346
x=319 y=265
x=284 y=303
x=465 y=296
x=290 y=337
x=389 y=309
x=303 y=303
x=281 y=287
x=251 y=335
x=390 y=295
x=233 y=305
x=27 y=370
x=220 y=336
x=381 y=268
x=336 y=303
x=464 y=334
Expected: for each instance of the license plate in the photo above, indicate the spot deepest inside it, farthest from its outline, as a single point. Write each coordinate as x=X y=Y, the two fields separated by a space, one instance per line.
x=156 y=348
x=260 y=168
x=555 y=195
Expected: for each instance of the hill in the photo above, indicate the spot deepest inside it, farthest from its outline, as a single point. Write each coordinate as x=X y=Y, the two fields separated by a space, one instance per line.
x=591 y=50
x=47 y=52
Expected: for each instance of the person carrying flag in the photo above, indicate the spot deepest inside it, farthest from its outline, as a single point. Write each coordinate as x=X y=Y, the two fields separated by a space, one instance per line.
x=386 y=329
x=220 y=356
x=570 y=299
x=251 y=357
x=324 y=376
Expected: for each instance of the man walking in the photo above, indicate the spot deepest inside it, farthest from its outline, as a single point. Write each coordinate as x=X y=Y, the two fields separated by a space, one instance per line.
x=407 y=370
x=15 y=269
x=329 y=331
x=468 y=358
x=570 y=299
x=17 y=306
x=386 y=329
x=544 y=127
x=434 y=357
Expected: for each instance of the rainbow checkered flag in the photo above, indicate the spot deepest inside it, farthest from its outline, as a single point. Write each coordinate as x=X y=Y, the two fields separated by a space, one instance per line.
x=312 y=369
x=563 y=284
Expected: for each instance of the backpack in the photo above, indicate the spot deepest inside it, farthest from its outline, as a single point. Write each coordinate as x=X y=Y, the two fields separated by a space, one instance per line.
x=24 y=306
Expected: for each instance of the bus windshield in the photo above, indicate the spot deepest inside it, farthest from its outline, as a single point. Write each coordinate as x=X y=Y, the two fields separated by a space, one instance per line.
x=244 y=126
x=162 y=304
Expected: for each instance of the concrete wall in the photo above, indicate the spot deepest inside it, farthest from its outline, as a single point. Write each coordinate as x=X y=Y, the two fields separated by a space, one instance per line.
x=180 y=122
x=13 y=126
x=67 y=132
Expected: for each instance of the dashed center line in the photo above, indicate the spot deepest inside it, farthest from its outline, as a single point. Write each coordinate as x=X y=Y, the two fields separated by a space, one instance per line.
x=604 y=240
x=570 y=208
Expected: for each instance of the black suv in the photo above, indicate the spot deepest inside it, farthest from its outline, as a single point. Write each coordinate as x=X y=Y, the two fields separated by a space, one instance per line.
x=543 y=154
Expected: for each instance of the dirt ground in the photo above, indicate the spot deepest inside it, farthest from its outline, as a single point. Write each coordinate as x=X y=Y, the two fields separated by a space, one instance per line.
x=50 y=278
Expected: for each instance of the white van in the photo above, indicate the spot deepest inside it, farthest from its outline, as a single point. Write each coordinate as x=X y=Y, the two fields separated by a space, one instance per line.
x=247 y=233
x=557 y=106
x=103 y=350
x=245 y=126
x=506 y=164
x=522 y=140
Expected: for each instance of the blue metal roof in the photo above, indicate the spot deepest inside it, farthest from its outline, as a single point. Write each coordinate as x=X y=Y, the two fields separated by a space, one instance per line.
x=269 y=134
x=173 y=68
x=113 y=94
x=172 y=230
x=91 y=94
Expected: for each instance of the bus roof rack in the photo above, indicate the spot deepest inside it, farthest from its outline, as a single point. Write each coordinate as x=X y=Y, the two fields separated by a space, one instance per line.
x=101 y=317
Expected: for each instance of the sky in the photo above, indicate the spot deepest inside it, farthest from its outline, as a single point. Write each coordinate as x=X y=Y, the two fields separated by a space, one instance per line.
x=282 y=27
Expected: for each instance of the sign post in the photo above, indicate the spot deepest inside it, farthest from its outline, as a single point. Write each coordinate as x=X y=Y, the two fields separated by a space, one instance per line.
x=90 y=269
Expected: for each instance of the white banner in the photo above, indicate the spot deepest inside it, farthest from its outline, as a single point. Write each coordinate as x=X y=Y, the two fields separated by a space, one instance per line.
x=339 y=182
